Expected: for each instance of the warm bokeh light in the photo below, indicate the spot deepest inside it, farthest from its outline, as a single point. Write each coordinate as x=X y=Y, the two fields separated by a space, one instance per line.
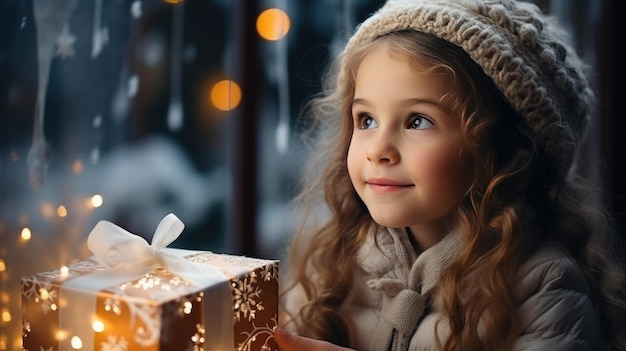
x=44 y=294
x=61 y=335
x=76 y=342
x=3 y=266
x=226 y=95
x=62 y=211
x=97 y=200
x=6 y=316
x=273 y=24
x=77 y=166
x=173 y=1
x=97 y=326
x=26 y=234
x=65 y=271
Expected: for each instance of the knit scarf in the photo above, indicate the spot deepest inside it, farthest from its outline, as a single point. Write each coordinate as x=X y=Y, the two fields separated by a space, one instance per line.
x=406 y=280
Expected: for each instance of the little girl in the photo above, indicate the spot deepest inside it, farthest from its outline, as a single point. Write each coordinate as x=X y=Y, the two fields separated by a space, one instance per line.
x=455 y=212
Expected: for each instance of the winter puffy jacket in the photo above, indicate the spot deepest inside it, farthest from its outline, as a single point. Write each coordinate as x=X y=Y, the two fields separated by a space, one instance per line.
x=555 y=310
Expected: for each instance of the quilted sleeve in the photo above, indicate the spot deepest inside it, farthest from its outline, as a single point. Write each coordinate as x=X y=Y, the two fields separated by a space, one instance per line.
x=556 y=311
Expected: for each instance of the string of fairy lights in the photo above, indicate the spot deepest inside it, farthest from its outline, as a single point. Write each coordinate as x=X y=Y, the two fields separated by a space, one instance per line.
x=272 y=25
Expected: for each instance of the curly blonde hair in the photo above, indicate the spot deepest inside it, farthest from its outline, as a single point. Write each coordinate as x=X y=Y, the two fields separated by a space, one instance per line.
x=513 y=206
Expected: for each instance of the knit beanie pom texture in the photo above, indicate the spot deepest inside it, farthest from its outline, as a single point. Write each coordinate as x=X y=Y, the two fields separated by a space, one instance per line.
x=525 y=53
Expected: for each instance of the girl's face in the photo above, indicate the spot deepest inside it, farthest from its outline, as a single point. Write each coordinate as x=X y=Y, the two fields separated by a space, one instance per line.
x=404 y=158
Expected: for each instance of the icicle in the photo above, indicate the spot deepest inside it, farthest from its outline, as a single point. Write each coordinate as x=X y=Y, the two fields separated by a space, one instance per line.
x=282 y=129
x=175 y=112
x=127 y=84
x=51 y=17
x=100 y=34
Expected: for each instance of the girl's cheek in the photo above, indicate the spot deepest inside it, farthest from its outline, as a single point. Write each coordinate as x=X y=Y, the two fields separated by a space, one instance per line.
x=440 y=163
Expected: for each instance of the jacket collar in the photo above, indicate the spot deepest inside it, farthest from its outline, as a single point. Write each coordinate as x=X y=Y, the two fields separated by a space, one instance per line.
x=392 y=264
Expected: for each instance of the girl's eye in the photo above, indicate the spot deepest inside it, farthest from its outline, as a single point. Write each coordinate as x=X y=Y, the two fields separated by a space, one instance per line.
x=366 y=122
x=420 y=122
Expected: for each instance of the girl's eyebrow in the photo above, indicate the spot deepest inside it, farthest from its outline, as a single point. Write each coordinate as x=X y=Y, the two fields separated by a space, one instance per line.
x=360 y=101
x=405 y=102
x=421 y=101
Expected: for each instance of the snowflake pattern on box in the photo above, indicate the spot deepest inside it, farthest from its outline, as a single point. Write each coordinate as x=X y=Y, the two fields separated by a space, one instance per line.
x=246 y=298
x=246 y=293
x=38 y=287
x=267 y=330
x=114 y=343
x=247 y=301
x=270 y=271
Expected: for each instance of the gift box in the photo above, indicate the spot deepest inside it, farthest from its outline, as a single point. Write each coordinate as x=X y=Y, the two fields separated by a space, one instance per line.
x=134 y=296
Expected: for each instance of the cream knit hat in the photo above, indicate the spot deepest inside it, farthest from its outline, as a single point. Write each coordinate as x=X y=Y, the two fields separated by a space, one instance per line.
x=522 y=50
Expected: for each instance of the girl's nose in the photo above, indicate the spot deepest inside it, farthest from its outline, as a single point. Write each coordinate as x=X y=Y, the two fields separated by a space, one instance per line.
x=382 y=149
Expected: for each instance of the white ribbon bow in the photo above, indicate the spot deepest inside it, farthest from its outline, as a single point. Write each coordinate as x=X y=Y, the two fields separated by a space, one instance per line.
x=121 y=250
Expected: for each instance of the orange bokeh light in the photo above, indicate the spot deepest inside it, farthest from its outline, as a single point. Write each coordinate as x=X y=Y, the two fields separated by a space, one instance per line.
x=226 y=95
x=273 y=24
x=77 y=166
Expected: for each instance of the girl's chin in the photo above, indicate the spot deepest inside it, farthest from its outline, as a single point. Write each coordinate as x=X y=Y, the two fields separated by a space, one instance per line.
x=389 y=222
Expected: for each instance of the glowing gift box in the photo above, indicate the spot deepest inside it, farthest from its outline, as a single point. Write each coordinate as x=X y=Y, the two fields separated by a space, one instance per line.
x=134 y=296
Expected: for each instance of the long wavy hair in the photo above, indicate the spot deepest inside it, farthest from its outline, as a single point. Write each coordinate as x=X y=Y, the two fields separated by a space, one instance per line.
x=513 y=206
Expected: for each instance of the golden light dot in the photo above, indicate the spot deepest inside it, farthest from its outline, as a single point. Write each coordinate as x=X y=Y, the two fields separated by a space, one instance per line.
x=65 y=271
x=26 y=234
x=77 y=166
x=3 y=266
x=6 y=316
x=53 y=307
x=62 y=211
x=226 y=95
x=98 y=326
x=76 y=342
x=61 y=335
x=173 y=1
x=97 y=200
x=44 y=294
x=273 y=24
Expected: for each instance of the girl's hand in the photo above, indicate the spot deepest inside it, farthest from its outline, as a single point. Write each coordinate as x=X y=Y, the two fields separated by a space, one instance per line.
x=289 y=342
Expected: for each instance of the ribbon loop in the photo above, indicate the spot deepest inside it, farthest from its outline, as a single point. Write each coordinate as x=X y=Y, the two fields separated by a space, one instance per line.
x=115 y=247
x=167 y=231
